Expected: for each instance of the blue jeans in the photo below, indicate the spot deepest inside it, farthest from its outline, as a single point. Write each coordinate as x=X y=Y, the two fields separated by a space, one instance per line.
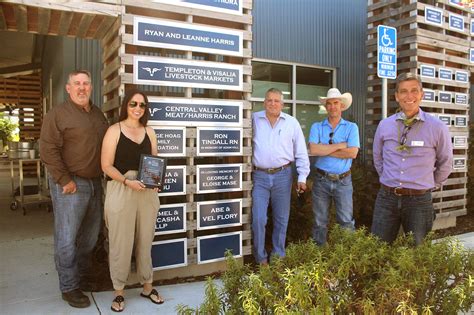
x=414 y=213
x=77 y=222
x=325 y=190
x=277 y=188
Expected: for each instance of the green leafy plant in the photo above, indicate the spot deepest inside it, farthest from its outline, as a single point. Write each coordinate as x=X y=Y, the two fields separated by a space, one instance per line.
x=7 y=128
x=355 y=273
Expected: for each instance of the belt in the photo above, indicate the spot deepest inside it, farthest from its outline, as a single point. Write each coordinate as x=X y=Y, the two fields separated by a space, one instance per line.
x=272 y=170
x=331 y=176
x=400 y=191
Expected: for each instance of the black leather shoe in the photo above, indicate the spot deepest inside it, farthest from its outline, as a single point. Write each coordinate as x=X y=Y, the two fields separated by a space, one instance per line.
x=76 y=298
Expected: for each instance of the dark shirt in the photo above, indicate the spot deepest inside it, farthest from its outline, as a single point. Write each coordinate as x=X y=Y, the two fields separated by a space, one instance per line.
x=128 y=152
x=71 y=141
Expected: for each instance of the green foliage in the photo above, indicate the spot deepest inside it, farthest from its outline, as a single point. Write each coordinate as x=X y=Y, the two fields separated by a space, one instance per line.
x=355 y=273
x=7 y=128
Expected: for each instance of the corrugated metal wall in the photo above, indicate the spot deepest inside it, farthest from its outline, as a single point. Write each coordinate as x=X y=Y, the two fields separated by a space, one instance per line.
x=89 y=57
x=328 y=33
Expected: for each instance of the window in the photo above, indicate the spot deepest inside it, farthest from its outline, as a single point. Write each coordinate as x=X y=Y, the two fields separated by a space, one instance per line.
x=301 y=86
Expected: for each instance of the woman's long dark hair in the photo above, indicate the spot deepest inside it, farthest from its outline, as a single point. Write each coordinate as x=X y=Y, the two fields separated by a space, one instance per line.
x=126 y=99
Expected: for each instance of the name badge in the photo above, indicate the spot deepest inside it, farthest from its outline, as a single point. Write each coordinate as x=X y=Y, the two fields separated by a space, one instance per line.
x=417 y=143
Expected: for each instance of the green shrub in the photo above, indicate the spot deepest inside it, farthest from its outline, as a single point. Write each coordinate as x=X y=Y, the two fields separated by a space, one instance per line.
x=354 y=274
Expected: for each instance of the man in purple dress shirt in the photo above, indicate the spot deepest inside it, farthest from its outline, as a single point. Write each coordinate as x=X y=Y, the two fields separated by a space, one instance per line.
x=278 y=142
x=413 y=155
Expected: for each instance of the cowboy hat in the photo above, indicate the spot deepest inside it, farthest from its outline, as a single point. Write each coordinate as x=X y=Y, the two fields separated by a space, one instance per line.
x=346 y=98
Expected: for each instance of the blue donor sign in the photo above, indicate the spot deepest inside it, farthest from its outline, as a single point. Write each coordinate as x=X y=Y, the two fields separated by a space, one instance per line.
x=176 y=35
x=169 y=254
x=213 y=247
x=213 y=141
x=222 y=6
x=386 y=52
x=219 y=177
x=218 y=214
x=191 y=112
x=171 y=219
x=187 y=73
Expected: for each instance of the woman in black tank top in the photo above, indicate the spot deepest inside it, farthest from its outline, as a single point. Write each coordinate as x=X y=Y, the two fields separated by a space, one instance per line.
x=130 y=208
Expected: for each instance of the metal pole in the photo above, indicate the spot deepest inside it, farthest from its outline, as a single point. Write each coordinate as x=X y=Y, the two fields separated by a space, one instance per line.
x=384 y=98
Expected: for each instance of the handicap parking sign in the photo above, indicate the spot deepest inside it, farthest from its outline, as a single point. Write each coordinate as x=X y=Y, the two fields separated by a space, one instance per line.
x=386 y=52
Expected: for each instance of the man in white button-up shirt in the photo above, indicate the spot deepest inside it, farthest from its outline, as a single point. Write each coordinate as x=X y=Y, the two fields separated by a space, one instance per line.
x=278 y=142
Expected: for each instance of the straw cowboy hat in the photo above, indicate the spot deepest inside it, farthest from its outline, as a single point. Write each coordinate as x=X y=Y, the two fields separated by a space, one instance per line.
x=346 y=98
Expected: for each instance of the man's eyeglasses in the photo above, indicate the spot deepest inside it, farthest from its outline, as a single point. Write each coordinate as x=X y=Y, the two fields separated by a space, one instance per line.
x=403 y=137
x=134 y=104
x=331 y=134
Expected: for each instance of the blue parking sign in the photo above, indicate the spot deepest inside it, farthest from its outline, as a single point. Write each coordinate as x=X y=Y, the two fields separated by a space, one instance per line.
x=386 y=52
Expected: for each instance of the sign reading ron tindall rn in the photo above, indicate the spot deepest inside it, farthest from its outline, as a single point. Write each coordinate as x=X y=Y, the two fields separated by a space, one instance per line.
x=219 y=178
x=184 y=36
x=193 y=112
x=187 y=73
x=223 y=141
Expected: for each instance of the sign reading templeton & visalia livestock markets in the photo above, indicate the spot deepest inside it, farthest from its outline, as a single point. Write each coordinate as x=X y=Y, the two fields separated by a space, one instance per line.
x=213 y=247
x=169 y=254
x=218 y=178
x=223 y=141
x=223 y=6
x=171 y=141
x=187 y=73
x=195 y=112
x=219 y=213
x=184 y=36
x=175 y=181
x=171 y=218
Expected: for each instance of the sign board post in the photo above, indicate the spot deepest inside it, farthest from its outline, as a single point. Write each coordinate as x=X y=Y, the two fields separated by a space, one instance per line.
x=386 y=59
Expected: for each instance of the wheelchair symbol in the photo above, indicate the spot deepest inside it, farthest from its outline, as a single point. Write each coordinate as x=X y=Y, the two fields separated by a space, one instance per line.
x=386 y=41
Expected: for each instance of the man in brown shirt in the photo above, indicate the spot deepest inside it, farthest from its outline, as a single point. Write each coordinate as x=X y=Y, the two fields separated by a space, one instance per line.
x=70 y=144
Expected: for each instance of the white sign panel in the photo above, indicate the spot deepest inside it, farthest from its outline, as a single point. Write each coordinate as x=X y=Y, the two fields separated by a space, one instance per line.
x=222 y=6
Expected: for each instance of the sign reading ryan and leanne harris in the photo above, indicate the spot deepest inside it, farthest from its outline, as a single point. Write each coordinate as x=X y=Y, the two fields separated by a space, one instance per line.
x=193 y=112
x=176 y=35
x=187 y=73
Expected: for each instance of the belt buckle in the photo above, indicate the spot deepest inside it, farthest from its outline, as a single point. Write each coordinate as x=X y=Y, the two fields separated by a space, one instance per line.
x=273 y=170
x=333 y=177
x=396 y=193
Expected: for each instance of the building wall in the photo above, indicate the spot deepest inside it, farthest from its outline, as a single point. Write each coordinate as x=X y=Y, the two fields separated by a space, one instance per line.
x=63 y=55
x=328 y=33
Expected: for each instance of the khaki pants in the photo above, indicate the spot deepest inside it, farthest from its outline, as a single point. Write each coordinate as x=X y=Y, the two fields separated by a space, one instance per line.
x=130 y=217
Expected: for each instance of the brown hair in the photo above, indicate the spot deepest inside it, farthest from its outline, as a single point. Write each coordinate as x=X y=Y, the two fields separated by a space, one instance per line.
x=126 y=99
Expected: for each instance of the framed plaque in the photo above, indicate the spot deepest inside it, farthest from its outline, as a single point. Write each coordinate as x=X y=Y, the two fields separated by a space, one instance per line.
x=151 y=171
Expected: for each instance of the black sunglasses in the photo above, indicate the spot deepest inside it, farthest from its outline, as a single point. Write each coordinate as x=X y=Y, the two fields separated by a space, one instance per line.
x=331 y=134
x=134 y=104
x=403 y=137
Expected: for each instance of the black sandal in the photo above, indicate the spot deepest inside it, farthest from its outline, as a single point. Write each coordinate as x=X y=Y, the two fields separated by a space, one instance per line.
x=153 y=292
x=119 y=299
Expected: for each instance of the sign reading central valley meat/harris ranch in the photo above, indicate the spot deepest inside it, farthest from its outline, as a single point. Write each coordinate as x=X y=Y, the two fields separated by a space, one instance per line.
x=187 y=73
x=177 y=35
x=193 y=112
x=218 y=178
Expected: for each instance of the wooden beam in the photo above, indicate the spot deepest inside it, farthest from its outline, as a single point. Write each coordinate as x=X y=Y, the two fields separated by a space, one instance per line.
x=89 y=7
x=105 y=27
x=84 y=25
x=3 y=23
x=65 y=22
x=44 y=16
x=21 y=18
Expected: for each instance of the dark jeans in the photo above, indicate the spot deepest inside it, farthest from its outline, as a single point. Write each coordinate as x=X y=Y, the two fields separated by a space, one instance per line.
x=414 y=213
x=77 y=222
